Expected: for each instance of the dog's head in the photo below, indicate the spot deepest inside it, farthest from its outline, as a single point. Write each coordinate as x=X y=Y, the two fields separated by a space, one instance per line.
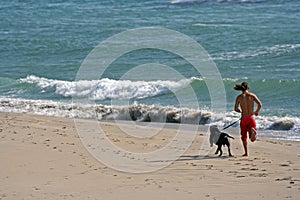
x=214 y=134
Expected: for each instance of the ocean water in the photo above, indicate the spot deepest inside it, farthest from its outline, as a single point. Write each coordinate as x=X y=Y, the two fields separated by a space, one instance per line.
x=44 y=43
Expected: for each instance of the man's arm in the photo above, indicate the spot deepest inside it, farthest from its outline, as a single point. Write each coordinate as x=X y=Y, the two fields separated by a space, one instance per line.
x=236 y=106
x=259 y=104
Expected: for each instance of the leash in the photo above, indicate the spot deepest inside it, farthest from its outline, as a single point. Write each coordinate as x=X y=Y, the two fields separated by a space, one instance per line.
x=231 y=124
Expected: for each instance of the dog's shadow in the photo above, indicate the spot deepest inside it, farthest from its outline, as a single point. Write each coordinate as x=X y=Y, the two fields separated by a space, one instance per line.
x=196 y=157
x=207 y=157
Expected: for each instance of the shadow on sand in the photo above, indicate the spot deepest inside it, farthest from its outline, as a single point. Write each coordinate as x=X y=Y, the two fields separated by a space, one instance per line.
x=197 y=157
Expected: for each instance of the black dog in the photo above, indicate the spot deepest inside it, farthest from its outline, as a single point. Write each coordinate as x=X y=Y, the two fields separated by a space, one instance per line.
x=219 y=138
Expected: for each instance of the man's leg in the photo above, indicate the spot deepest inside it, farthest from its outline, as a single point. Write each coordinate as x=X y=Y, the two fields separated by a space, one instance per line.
x=244 y=135
x=253 y=129
x=245 y=144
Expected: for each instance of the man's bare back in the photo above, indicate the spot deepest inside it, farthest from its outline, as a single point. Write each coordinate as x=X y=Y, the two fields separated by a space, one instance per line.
x=246 y=102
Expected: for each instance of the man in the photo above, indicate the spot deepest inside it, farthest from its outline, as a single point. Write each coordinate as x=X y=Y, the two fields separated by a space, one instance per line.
x=244 y=104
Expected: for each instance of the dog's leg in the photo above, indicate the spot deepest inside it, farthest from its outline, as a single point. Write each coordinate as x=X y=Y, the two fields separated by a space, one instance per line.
x=229 y=152
x=228 y=146
x=217 y=150
x=220 y=149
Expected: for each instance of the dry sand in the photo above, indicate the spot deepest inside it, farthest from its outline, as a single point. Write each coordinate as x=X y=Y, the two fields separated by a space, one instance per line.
x=43 y=158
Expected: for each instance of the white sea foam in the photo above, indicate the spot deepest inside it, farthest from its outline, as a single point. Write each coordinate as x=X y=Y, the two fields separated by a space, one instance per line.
x=263 y=51
x=110 y=89
x=217 y=1
x=181 y=1
x=107 y=88
x=212 y=25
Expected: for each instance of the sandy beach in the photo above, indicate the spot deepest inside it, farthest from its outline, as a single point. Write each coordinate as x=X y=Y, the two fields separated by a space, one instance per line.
x=44 y=158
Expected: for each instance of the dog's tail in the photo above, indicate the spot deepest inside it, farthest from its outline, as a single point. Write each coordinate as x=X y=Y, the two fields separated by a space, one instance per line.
x=227 y=135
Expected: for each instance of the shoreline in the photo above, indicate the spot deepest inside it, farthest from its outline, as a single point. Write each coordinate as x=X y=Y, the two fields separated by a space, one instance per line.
x=44 y=158
x=283 y=127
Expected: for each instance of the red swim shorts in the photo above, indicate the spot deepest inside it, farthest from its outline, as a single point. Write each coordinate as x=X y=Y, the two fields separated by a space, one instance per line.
x=247 y=122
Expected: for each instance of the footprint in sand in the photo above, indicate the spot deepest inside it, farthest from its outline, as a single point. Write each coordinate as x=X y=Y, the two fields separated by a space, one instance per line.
x=259 y=175
x=284 y=179
x=287 y=164
x=284 y=165
x=267 y=162
x=249 y=169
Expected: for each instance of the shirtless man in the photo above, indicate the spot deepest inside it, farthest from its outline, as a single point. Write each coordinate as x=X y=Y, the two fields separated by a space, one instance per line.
x=244 y=104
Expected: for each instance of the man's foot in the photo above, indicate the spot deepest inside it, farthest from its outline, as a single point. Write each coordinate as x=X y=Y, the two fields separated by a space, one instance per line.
x=245 y=155
x=253 y=135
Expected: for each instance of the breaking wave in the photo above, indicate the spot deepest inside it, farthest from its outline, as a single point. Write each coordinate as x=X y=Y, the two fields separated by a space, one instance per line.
x=107 y=88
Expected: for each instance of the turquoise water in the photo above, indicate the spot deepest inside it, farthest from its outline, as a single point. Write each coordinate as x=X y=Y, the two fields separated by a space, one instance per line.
x=43 y=44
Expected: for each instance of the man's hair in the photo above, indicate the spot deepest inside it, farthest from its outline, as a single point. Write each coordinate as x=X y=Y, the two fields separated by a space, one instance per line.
x=243 y=86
